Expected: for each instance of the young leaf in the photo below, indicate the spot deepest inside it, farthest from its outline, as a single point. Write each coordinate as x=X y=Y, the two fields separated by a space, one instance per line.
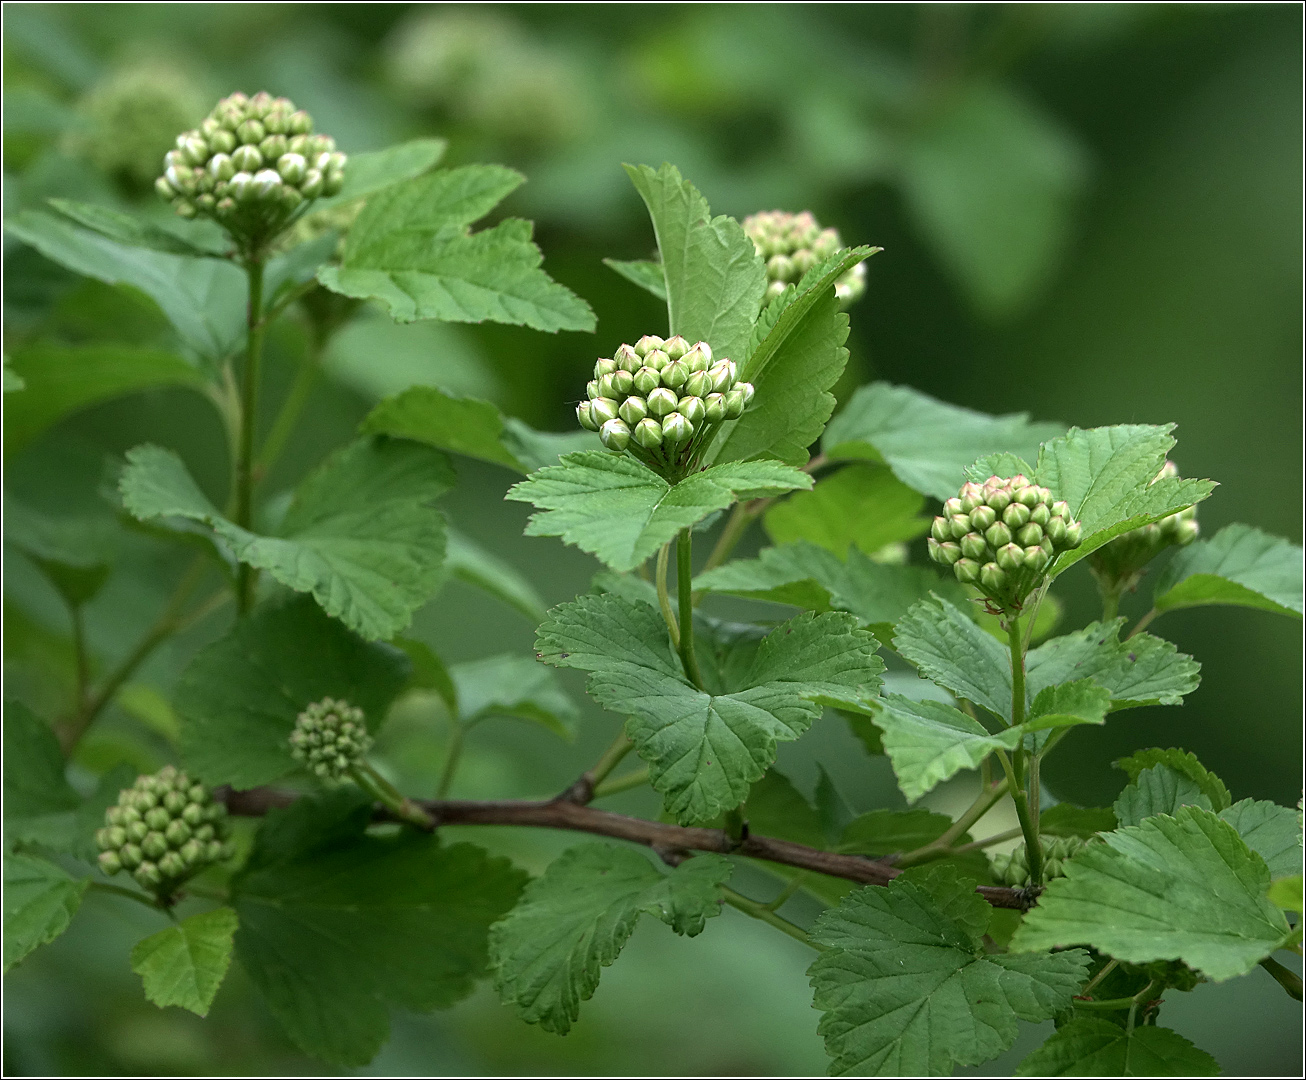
x=65 y=379
x=204 y=299
x=928 y=741
x=1088 y=1046
x=374 y=170
x=1180 y=887
x=1286 y=893
x=1142 y=670
x=860 y=506
x=459 y=425
x=950 y=648
x=361 y=534
x=337 y=924
x=927 y=443
x=239 y=697
x=1238 y=565
x=1078 y=702
x=1183 y=762
x=1272 y=831
x=131 y=231
x=1106 y=475
x=621 y=511
x=714 y=277
x=705 y=750
x=516 y=686
x=573 y=921
x=793 y=367
x=1158 y=790
x=40 y=900
x=647 y=275
x=413 y=250
x=1065 y=819
x=186 y=963
x=466 y=560
x=907 y=989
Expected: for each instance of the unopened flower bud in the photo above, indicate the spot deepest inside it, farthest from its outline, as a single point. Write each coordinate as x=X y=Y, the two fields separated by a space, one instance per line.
x=606 y=388
x=615 y=435
x=647 y=380
x=982 y=517
x=1036 y=558
x=997 y=535
x=949 y=553
x=692 y=409
x=699 y=384
x=714 y=408
x=627 y=358
x=648 y=433
x=747 y=389
x=622 y=383
x=992 y=577
x=974 y=546
x=1074 y=533
x=603 y=410
x=647 y=344
x=1011 y=557
x=251 y=132
x=332 y=183
x=1030 y=535
x=941 y=529
x=313 y=184
x=1016 y=515
x=110 y=863
x=673 y=376
x=1184 y=533
x=633 y=410
x=662 y=401
x=675 y=347
x=967 y=571
x=676 y=429
x=735 y=404
x=780 y=268
x=292 y=168
x=592 y=389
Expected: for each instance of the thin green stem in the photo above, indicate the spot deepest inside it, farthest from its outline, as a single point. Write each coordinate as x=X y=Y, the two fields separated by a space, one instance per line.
x=130 y=894
x=83 y=657
x=734 y=824
x=618 y=784
x=664 y=598
x=584 y=789
x=736 y=525
x=784 y=895
x=1285 y=977
x=1017 y=648
x=245 y=577
x=988 y=841
x=452 y=755
x=1027 y=803
x=1143 y=623
x=988 y=797
x=765 y=914
x=1110 y=604
x=685 y=580
x=1106 y=970
x=376 y=785
x=1033 y=852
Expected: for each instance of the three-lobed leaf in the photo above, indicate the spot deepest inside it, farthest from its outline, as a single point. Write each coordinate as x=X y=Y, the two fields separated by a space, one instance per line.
x=1067 y=704
x=548 y=953
x=186 y=963
x=1183 y=762
x=1239 y=565
x=40 y=900
x=1089 y=1046
x=1158 y=790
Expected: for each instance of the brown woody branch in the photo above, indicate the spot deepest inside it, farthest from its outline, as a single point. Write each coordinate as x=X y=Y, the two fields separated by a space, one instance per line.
x=564 y=813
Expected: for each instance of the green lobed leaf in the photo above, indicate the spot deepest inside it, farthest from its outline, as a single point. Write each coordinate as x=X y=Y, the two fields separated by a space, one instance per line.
x=1239 y=565
x=861 y=506
x=34 y=780
x=706 y=750
x=1272 y=831
x=1141 y=670
x=186 y=963
x=375 y=170
x=1158 y=790
x=337 y=924
x=62 y=380
x=950 y=648
x=1286 y=893
x=1181 y=761
x=1088 y=1046
x=927 y=443
x=131 y=231
x=1181 y=887
x=1067 y=704
x=459 y=425
x=714 y=278
x=548 y=953
x=514 y=686
x=622 y=511
x=361 y=535
x=1065 y=819
x=239 y=697
x=40 y=900
x=412 y=249
x=928 y=741
x=777 y=808
x=76 y=553
x=428 y=672
x=469 y=562
x=907 y=989
x=793 y=368
x=646 y=274
x=1106 y=475
x=891 y=832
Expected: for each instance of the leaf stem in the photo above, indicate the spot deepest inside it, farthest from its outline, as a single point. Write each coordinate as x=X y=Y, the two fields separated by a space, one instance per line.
x=664 y=598
x=988 y=796
x=1110 y=604
x=1106 y=970
x=761 y=911
x=783 y=896
x=246 y=575
x=457 y=738
x=388 y=795
x=585 y=788
x=622 y=783
x=1142 y=623
x=988 y=841
x=1033 y=851
x=685 y=580
x=1285 y=977
x=1027 y=805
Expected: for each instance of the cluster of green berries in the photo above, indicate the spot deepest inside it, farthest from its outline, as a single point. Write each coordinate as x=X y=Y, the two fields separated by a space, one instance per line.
x=251 y=166
x=1000 y=536
x=164 y=829
x=1119 y=564
x=660 y=398
x=330 y=737
x=792 y=244
x=1013 y=870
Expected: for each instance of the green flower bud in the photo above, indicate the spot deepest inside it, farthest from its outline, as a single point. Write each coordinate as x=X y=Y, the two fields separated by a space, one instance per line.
x=164 y=188
x=735 y=404
x=999 y=500
x=622 y=383
x=1074 y=533
x=109 y=862
x=958 y=525
x=273 y=147
x=804 y=260
x=648 y=433
x=1010 y=557
x=177 y=832
x=131 y=855
x=974 y=546
x=592 y=389
x=1040 y=515
x=662 y=401
x=967 y=571
x=722 y=376
x=1061 y=509
x=148 y=875
x=606 y=388
x=157 y=817
x=585 y=417
x=1184 y=533
x=154 y=845
x=1030 y=535
x=714 y=408
x=332 y=183
x=949 y=553
x=695 y=360
x=171 y=865
x=657 y=359
x=647 y=344
x=247 y=159
x=222 y=167
x=780 y=268
x=706 y=349
x=615 y=435
x=1016 y=515
x=647 y=380
x=746 y=388
x=675 y=347
x=251 y=132
x=205 y=833
x=941 y=529
x=1036 y=559
x=692 y=409
x=698 y=385
x=676 y=430
x=982 y=517
x=627 y=358
x=266 y=184
x=603 y=409
x=292 y=168
x=238 y=187
x=313 y=184
x=299 y=122
x=604 y=367
x=633 y=410
x=673 y=376
x=997 y=535
x=192 y=851
x=136 y=831
x=992 y=577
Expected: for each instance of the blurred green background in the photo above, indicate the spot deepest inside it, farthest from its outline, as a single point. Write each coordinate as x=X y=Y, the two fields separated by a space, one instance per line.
x=1091 y=212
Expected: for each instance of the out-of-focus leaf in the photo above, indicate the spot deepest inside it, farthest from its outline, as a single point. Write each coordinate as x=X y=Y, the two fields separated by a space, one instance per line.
x=186 y=963
x=40 y=901
x=470 y=562
x=1239 y=565
x=129 y=230
x=514 y=686
x=1087 y=1046
x=647 y=275
x=860 y=506
x=374 y=170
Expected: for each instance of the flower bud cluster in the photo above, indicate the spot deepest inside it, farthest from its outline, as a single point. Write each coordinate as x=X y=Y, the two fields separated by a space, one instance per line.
x=660 y=399
x=1013 y=870
x=1000 y=536
x=793 y=244
x=330 y=737
x=164 y=829
x=1119 y=564
x=252 y=165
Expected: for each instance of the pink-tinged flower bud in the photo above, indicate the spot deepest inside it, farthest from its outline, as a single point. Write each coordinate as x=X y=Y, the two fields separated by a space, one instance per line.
x=627 y=358
x=657 y=359
x=998 y=535
x=648 y=343
x=615 y=435
x=648 y=433
x=746 y=388
x=586 y=417
x=647 y=380
x=1010 y=558
x=992 y=577
x=662 y=402
x=714 y=408
x=592 y=389
x=735 y=404
x=1074 y=533
x=1061 y=509
x=603 y=409
x=706 y=350
x=959 y=525
x=603 y=367
x=952 y=506
x=673 y=376
x=973 y=546
x=949 y=553
x=675 y=347
x=622 y=382
x=1036 y=559
x=251 y=133
x=981 y=517
x=1016 y=515
x=1030 y=535
x=676 y=430
x=967 y=571
x=633 y=410
x=247 y=159
x=273 y=147
x=699 y=384
x=941 y=529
